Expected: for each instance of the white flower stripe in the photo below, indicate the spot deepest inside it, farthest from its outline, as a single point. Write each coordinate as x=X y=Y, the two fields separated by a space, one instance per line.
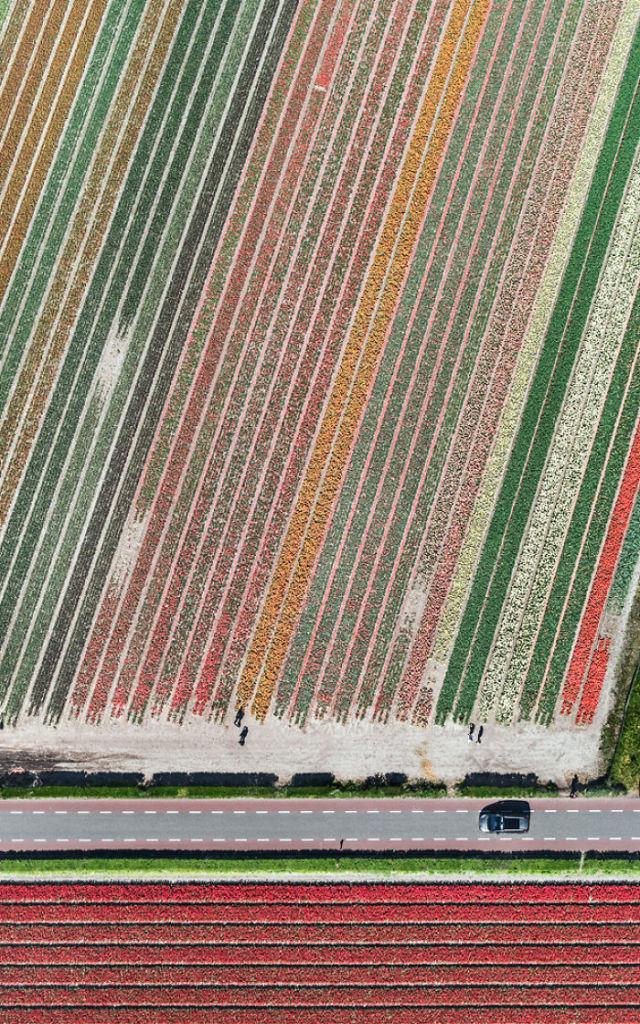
x=566 y=461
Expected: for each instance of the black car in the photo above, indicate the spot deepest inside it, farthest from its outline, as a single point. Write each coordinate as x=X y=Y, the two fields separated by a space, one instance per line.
x=506 y=816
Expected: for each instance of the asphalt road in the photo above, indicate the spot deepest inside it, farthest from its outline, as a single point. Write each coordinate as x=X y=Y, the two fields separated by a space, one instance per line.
x=403 y=824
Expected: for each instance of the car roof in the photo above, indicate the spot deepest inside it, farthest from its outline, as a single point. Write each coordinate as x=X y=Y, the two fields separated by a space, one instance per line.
x=510 y=807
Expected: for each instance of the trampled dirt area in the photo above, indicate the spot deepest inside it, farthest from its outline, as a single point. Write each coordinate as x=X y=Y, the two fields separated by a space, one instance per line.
x=354 y=751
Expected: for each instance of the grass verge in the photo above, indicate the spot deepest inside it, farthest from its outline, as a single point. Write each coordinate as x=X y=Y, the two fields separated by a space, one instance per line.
x=217 y=792
x=317 y=865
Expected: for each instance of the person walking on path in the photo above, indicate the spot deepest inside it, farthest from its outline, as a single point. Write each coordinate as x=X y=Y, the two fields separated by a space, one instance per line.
x=471 y=731
x=244 y=732
x=239 y=716
x=480 y=733
x=573 y=792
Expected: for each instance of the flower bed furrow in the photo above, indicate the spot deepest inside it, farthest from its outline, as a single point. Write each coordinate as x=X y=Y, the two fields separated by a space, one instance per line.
x=628 y=560
x=330 y=954
x=45 y=41
x=594 y=681
x=593 y=1014
x=603 y=576
x=48 y=117
x=94 y=97
x=279 y=975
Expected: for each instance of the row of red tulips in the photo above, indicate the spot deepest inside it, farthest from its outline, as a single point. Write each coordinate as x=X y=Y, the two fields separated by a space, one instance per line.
x=333 y=1015
x=172 y=994
x=318 y=935
x=319 y=893
x=323 y=914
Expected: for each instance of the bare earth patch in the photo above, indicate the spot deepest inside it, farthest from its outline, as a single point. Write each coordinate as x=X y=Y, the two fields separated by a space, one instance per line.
x=352 y=751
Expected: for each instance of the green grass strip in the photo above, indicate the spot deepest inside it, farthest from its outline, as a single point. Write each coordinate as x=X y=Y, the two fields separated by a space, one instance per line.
x=584 y=504
x=544 y=400
x=4 y=8
x=625 y=766
x=628 y=561
x=131 y=867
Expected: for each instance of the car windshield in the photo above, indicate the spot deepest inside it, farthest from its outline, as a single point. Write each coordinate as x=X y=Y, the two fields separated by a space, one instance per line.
x=495 y=822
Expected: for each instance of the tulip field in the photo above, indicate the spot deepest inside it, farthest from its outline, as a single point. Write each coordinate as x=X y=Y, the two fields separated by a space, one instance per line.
x=319 y=383
x=255 y=953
